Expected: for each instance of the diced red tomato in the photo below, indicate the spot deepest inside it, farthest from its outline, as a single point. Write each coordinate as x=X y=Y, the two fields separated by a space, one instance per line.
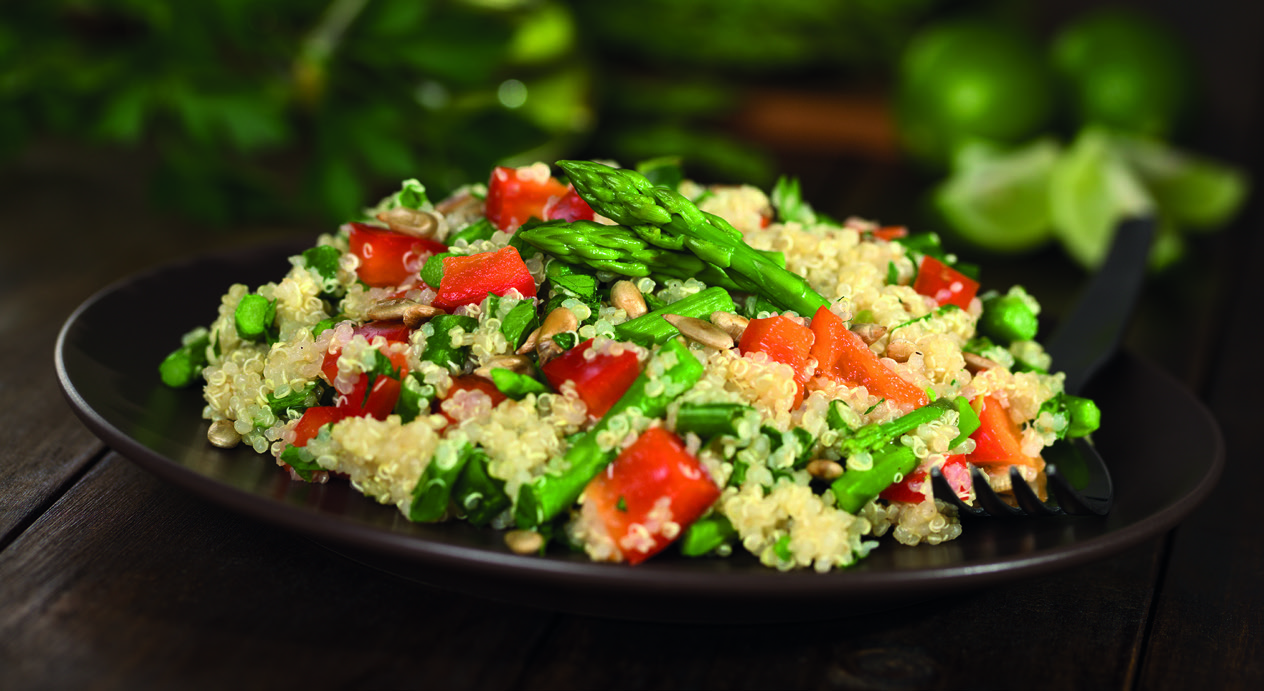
x=945 y=284
x=313 y=419
x=653 y=483
x=388 y=258
x=599 y=381
x=842 y=355
x=468 y=280
x=785 y=341
x=909 y=490
x=568 y=207
x=470 y=382
x=513 y=199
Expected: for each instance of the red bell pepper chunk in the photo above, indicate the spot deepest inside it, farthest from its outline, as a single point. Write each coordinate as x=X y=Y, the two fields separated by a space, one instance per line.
x=514 y=198
x=842 y=355
x=910 y=489
x=313 y=419
x=380 y=401
x=568 y=207
x=785 y=341
x=650 y=494
x=599 y=381
x=945 y=284
x=468 y=280
x=388 y=258
x=888 y=233
x=998 y=440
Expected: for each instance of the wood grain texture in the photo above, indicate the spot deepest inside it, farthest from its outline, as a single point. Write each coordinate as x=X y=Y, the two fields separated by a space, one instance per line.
x=1210 y=610
x=129 y=583
x=996 y=638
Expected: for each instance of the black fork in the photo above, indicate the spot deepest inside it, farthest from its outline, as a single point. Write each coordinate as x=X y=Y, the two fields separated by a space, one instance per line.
x=1077 y=477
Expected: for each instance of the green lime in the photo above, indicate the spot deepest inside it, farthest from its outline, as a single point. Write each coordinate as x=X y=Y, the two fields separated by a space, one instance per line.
x=1124 y=70
x=971 y=79
x=1092 y=189
x=999 y=199
x=1194 y=191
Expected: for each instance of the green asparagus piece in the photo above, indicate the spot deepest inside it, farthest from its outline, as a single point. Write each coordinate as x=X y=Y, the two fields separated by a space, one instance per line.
x=623 y=250
x=1082 y=416
x=434 y=487
x=548 y=495
x=859 y=487
x=705 y=535
x=515 y=384
x=627 y=197
x=1085 y=416
x=874 y=435
x=1007 y=318
x=479 y=495
x=652 y=328
x=183 y=366
x=254 y=316
x=710 y=419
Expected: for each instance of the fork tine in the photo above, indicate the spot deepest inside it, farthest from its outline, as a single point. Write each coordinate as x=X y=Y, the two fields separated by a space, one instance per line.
x=1069 y=499
x=987 y=498
x=1027 y=498
x=944 y=492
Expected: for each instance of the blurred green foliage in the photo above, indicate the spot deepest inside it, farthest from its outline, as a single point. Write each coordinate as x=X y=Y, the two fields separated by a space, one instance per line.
x=291 y=107
x=302 y=109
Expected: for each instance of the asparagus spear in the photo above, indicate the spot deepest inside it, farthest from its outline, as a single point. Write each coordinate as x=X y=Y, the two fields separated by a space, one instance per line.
x=627 y=197
x=548 y=495
x=434 y=488
x=873 y=436
x=624 y=250
x=183 y=366
x=859 y=487
x=652 y=328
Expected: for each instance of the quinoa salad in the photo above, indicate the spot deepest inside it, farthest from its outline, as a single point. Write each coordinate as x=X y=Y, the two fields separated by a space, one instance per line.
x=621 y=361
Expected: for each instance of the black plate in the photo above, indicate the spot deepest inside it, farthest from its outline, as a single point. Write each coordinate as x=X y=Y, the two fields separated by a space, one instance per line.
x=1164 y=448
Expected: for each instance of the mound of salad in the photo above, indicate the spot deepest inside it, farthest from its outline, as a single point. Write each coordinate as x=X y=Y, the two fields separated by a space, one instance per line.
x=623 y=361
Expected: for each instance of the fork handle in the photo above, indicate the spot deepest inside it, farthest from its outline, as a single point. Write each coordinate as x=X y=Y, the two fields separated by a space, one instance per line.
x=1091 y=333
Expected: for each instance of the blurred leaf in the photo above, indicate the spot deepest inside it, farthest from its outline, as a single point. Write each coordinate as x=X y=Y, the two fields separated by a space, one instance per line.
x=546 y=33
x=338 y=186
x=123 y=119
x=463 y=49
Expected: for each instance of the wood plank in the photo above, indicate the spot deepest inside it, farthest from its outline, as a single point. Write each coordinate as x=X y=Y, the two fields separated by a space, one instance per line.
x=1207 y=620
x=60 y=254
x=128 y=582
x=1090 y=620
